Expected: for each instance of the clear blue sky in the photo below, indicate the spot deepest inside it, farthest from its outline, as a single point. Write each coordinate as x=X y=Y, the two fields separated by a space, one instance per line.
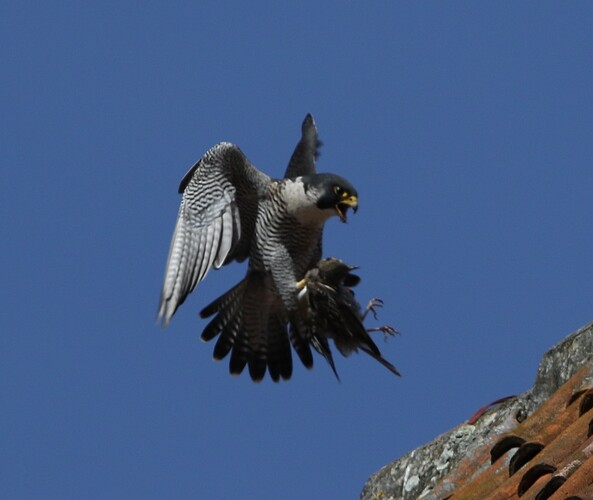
x=467 y=128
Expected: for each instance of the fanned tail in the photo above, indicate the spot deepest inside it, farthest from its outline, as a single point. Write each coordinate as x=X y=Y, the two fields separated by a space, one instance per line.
x=251 y=325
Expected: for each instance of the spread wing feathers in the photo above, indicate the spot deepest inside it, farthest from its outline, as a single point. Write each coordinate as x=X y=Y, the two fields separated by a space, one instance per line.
x=226 y=306
x=251 y=321
x=215 y=222
x=302 y=161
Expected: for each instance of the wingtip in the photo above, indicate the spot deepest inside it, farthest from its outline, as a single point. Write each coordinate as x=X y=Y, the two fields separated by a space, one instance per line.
x=165 y=312
x=336 y=374
x=163 y=321
x=390 y=367
x=308 y=127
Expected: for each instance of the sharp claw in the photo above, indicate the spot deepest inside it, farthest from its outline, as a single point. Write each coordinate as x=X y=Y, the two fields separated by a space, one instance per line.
x=387 y=331
x=373 y=303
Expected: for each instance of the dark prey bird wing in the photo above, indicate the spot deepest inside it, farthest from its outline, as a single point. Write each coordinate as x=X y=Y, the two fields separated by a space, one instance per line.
x=332 y=311
x=358 y=336
x=215 y=224
x=302 y=161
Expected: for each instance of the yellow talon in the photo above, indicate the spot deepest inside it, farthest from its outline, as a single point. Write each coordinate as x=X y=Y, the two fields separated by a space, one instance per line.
x=301 y=284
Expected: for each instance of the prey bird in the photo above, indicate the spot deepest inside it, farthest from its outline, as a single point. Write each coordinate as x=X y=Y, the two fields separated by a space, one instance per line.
x=232 y=211
x=332 y=312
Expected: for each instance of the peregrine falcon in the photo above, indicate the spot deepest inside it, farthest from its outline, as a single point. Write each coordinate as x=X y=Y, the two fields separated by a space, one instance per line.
x=331 y=312
x=231 y=211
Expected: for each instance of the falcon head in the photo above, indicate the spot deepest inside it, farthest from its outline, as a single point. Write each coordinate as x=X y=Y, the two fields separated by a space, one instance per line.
x=333 y=193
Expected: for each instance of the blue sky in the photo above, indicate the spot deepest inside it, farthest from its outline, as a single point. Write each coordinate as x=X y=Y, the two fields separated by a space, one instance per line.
x=466 y=127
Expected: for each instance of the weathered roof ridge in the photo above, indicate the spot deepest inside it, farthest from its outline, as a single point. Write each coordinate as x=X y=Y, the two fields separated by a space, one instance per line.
x=478 y=454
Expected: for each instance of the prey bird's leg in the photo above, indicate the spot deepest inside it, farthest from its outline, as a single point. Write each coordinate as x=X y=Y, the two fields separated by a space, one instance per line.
x=388 y=331
x=373 y=303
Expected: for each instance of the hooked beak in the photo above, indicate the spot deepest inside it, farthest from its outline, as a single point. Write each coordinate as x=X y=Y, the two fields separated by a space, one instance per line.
x=343 y=206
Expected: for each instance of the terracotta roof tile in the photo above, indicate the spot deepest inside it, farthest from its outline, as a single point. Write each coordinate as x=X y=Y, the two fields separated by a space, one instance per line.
x=499 y=454
x=539 y=456
x=577 y=479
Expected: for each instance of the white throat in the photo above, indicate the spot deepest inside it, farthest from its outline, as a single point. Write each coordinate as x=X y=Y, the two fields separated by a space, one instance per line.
x=303 y=204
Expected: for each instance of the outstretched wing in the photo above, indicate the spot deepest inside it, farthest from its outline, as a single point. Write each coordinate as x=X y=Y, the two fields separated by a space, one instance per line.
x=215 y=224
x=302 y=161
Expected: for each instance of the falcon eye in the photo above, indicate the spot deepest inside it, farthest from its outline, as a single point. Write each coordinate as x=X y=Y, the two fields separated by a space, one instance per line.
x=340 y=192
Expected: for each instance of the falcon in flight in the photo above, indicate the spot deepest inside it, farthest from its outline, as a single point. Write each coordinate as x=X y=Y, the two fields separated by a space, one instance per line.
x=231 y=211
